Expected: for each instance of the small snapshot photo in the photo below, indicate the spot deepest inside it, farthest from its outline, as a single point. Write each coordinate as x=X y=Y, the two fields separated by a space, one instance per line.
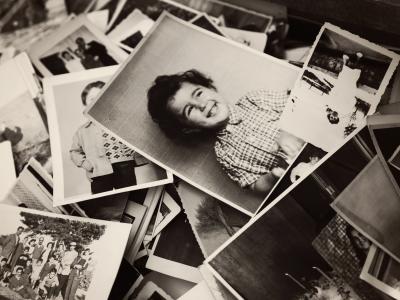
x=213 y=222
x=88 y=161
x=342 y=82
x=205 y=22
x=230 y=15
x=77 y=45
x=22 y=115
x=382 y=272
x=52 y=256
x=212 y=122
x=383 y=129
x=16 y=15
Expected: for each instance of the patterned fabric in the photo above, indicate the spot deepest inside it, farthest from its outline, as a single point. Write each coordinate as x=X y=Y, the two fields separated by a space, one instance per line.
x=246 y=148
x=115 y=150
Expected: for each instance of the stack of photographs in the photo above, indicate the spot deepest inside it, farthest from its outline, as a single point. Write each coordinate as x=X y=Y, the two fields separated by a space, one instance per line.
x=185 y=149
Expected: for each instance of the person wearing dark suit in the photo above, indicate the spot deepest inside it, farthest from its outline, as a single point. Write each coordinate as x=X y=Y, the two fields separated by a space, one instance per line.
x=96 y=50
x=10 y=244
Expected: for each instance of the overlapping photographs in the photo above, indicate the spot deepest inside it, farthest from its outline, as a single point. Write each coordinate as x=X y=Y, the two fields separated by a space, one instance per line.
x=84 y=251
x=382 y=272
x=76 y=46
x=297 y=245
x=23 y=120
x=383 y=128
x=89 y=162
x=230 y=15
x=202 y=151
x=341 y=83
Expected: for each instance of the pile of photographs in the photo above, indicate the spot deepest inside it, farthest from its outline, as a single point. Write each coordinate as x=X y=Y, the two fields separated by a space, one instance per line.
x=159 y=149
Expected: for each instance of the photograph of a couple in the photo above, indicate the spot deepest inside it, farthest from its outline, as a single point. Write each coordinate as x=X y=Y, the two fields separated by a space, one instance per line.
x=48 y=256
x=213 y=122
x=80 y=51
x=340 y=85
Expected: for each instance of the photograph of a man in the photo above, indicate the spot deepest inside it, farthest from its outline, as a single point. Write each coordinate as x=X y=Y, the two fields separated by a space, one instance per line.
x=248 y=143
x=9 y=244
x=109 y=164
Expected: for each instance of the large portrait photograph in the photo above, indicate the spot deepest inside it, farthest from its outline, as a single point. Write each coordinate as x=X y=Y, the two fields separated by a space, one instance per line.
x=50 y=256
x=87 y=161
x=207 y=111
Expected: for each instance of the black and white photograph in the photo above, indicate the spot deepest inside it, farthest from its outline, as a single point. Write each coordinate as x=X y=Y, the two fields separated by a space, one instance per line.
x=87 y=161
x=394 y=160
x=315 y=238
x=131 y=30
x=141 y=207
x=22 y=116
x=255 y=40
x=231 y=15
x=342 y=82
x=58 y=257
x=180 y=262
x=76 y=46
x=383 y=128
x=152 y=291
x=7 y=169
x=362 y=204
x=211 y=122
x=167 y=211
x=17 y=15
x=213 y=222
x=205 y=22
x=382 y=272
x=153 y=9
x=34 y=189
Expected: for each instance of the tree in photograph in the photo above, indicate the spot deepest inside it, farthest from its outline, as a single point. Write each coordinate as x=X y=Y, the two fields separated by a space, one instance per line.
x=83 y=233
x=210 y=216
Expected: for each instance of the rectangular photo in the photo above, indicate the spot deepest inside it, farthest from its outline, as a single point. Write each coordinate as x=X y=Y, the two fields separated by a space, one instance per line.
x=382 y=272
x=34 y=189
x=341 y=83
x=298 y=244
x=87 y=161
x=65 y=257
x=175 y=251
x=7 y=169
x=213 y=122
x=362 y=204
x=22 y=116
x=383 y=128
x=213 y=222
x=231 y=15
x=77 y=45
x=167 y=211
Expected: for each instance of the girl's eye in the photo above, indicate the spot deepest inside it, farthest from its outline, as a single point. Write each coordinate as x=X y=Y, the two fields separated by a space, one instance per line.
x=199 y=93
x=189 y=110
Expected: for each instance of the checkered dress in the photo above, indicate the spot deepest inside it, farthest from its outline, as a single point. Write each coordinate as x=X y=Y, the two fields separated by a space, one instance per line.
x=246 y=147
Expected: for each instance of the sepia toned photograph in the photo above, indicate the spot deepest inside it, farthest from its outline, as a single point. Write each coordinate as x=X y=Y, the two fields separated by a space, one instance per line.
x=22 y=117
x=87 y=161
x=58 y=257
x=7 y=169
x=382 y=272
x=76 y=46
x=230 y=15
x=320 y=244
x=213 y=222
x=383 y=128
x=205 y=22
x=212 y=122
x=342 y=82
